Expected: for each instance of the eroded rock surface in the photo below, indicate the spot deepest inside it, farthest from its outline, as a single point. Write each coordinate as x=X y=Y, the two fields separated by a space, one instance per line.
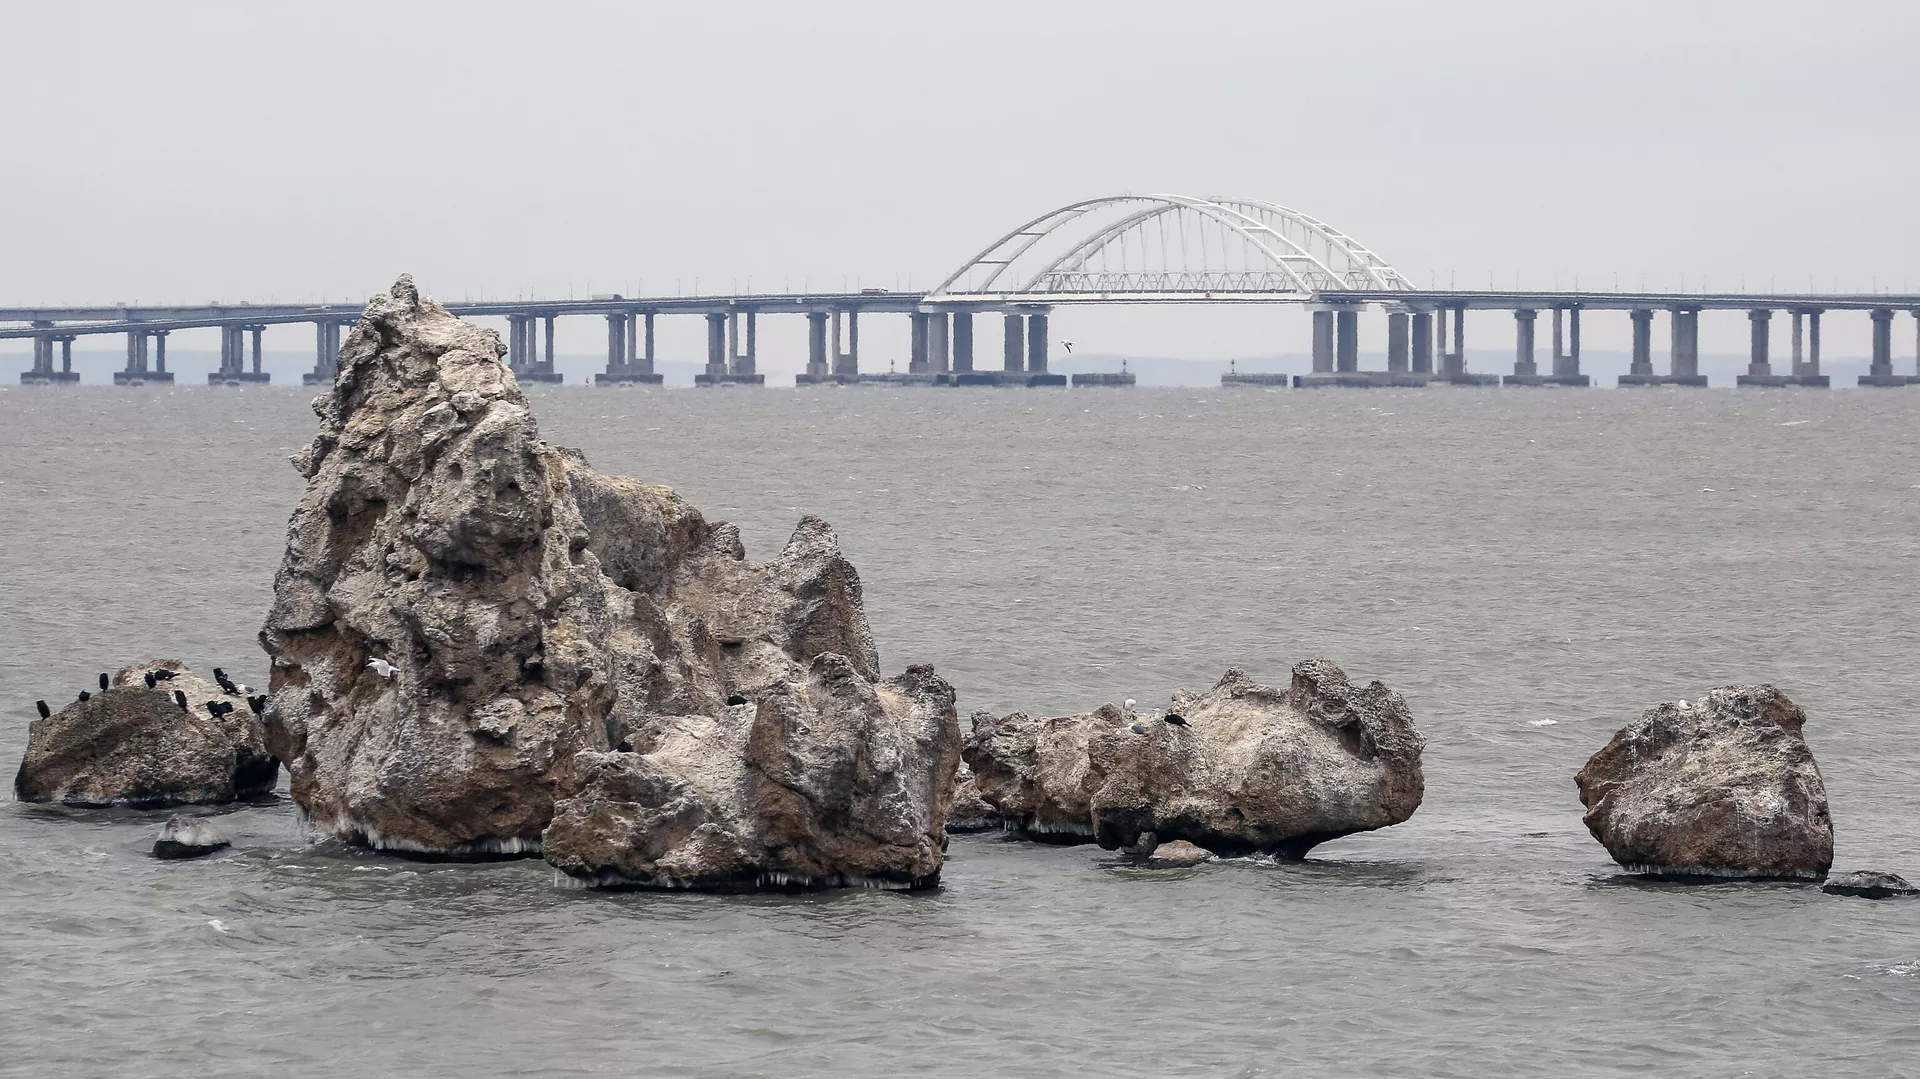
x=970 y=812
x=188 y=837
x=1178 y=854
x=1869 y=884
x=1242 y=767
x=130 y=745
x=1723 y=786
x=557 y=635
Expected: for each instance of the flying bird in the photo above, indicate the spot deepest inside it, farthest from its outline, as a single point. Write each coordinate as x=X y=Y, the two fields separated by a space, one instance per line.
x=382 y=668
x=1068 y=345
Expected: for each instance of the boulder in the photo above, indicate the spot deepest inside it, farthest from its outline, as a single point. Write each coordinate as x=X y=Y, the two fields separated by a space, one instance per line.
x=827 y=781
x=1246 y=767
x=1178 y=854
x=1031 y=772
x=1869 y=884
x=1723 y=786
x=553 y=634
x=130 y=745
x=970 y=812
x=1242 y=767
x=188 y=837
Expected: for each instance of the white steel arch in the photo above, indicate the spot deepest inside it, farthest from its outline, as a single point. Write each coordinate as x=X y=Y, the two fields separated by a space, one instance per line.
x=1123 y=247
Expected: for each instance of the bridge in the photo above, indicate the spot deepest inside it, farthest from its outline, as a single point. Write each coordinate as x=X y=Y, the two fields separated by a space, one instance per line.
x=1124 y=249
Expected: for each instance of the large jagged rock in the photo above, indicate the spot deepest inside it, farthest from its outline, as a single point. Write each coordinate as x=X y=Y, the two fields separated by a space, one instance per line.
x=1724 y=786
x=1241 y=768
x=825 y=782
x=1245 y=767
x=548 y=627
x=970 y=812
x=129 y=745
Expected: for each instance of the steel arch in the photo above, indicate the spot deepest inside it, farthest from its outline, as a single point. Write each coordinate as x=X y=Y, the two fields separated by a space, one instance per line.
x=1300 y=254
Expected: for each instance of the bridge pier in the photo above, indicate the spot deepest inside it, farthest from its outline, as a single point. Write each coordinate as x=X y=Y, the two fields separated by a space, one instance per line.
x=1642 y=364
x=43 y=373
x=1423 y=342
x=629 y=351
x=817 y=370
x=1014 y=343
x=1683 y=361
x=716 y=372
x=326 y=353
x=537 y=368
x=1396 y=342
x=1566 y=351
x=1454 y=366
x=1346 y=340
x=938 y=358
x=962 y=342
x=1525 y=371
x=138 y=371
x=846 y=365
x=1037 y=373
x=917 y=354
x=1323 y=341
x=1759 y=360
x=1880 y=370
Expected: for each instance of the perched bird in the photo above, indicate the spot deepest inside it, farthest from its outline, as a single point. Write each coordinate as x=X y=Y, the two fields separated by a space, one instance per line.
x=1176 y=719
x=103 y=680
x=44 y=710
x=84 y=695
x=258 y=704
x=1129 y=702
x=245 y=689
x=219 y=675
x=163 y=674
x=382 y=668
x=180 y=698
x=151 y=680
x=735 y=699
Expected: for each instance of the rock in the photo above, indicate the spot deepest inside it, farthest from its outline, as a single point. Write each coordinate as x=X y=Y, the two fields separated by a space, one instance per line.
x=557 y=635
x=829 y=781
x=1254 y=768
x=1031 y=773
x=1724 y=786
x=970 y=812
x=1178 y=854
x=188 y=837
x=129 y=745
x=1241 y=768
x=1869 y=884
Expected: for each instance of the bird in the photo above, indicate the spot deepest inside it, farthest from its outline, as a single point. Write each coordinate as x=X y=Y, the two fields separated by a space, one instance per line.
x=103 y=680
x=84 y=695
x=180 y=698
x=150 y=680
x=1129 y=702
x=735 y=699
x=258 y=704
x=1176 y=719
x=219 y=675
x=163 y=674
x=381 y=667
x=245 y=689
x=44 y=710
x=1068 y=345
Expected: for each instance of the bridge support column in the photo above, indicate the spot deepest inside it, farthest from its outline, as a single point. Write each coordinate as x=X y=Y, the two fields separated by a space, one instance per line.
x=937 y=357
x=1346 y=340
x=66 y=356
x=1323 y=342
x=817 y=370
x=646 y=356
x=745 y=360
x=1423 y=342
x=1014 y=345
x=1799 y=342
x=917 y=356
x=159 y=353
x=258 y=332
x=1759 y=367
x=1880 y=371
x=716 y=350
x=1916 y=345
x=963 y=342
x=1642 y=363
x=846 y=365
x=1037 y=345
x=1523 y=363
x=1813 y=343
x=1456 y=358
x=1396 y=341
x=619 y=344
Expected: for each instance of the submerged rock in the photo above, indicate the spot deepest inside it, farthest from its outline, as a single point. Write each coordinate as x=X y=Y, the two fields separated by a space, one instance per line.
x=1724 y=786
x=188 y=837
x=1178 y=854
x=1242 y=767
x=1869 y=884
x=557 y=635
x=131 y=745
x=1247 y=767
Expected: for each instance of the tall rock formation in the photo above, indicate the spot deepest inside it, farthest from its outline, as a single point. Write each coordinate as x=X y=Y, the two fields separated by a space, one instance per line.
x=1723 y=786
x=546 y=627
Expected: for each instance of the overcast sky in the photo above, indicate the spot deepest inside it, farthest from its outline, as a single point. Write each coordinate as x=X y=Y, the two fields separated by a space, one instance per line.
x=281 y=151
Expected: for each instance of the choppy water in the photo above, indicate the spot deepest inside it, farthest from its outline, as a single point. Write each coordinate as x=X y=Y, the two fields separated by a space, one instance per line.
x=1504 y=558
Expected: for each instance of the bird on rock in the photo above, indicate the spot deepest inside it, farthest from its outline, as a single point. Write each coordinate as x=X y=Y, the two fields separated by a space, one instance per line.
x=85 y=696
x=258 y=704
x=382 y=668
x=1176 y=719
x=151 y=680
x=163 y=674
x=1129 y=702
x=44 y=710
x=103 y=680
x=180 y=698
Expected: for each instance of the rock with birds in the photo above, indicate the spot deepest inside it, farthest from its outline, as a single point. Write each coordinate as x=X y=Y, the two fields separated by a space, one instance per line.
x=189 y=837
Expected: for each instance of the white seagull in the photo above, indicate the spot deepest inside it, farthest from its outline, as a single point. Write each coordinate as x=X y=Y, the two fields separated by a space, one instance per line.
x=381 y=667
x=1129 y=702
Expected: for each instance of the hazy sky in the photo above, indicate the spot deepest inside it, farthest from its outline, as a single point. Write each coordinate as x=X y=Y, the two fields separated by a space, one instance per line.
x=191 y=151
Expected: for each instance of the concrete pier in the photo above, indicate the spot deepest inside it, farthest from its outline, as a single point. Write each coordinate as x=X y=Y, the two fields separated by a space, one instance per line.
x=1642 y=363
x=1014 y=343
x=629 y=351
x=43 y=372
x=1323 y=341
x=1453 y=369
x=938 y=358
x=1566 y=351
x=1524 y=368
x=962 y=341
x=917 y=363
x=139 y=372
x=1423 y=342
x=1037 y=373
x=1397 y=351
x=730 y=359
x=1346 y=340
x=1880 y=369
x=1683 y=363
x=817 y=370
x=1759 y=360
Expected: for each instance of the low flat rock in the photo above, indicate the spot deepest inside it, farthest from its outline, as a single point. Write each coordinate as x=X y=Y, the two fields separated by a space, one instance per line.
x=130 y=745
x=1869 y=884
x=1178 y=854
x=1723 y=786
x=188 y=837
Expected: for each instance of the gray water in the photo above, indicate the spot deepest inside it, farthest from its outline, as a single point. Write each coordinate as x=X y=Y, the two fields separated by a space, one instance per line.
x=1503 y=558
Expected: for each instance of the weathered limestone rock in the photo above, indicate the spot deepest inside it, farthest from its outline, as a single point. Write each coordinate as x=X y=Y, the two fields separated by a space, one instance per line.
x=1869 y=884
x=1032 y=773
x=827 y=781
x=1245 y=767
x=1241 y=768
x=129 y=745
x=1178 y=854
x=1724 y=786
x=547 y=628
x=188 y=837
x=970 y=812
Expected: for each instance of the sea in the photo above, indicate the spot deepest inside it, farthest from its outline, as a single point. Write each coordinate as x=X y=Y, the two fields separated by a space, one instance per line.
x=1531 y=568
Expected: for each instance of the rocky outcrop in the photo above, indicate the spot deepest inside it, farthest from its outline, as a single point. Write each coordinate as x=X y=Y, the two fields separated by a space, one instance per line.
x=1032 y=772
x=1723 y=786
x=135 y=745
x=1242 y=767
x=188 y=837
x=828 y=781
x=970 y=812
x=1246 y=767
x=552 y=635
x=1869 y=884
